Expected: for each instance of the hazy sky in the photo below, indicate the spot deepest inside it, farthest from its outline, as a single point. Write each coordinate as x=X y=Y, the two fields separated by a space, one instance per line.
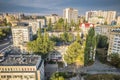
x=57 y=6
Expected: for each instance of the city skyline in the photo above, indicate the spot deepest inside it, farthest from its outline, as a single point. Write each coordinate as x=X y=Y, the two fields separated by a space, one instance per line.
x=54 y=6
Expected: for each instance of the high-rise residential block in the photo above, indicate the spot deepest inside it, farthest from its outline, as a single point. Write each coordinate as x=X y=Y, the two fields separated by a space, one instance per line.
x=53 y=17
x=42 y=22
x=21 y=35
x=70 y=15
x=35 y=25
x=118 y=20
x=114 y=41
x=100 y=16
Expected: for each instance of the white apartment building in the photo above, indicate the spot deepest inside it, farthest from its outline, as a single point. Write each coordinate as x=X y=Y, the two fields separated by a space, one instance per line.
x=114 y=41
x=101 y=16
x=21 y=35
x=42 y=22
x=103 y=30
x=22 y=67
x=118 y=20
x=90 y=14
x=70 y=14
x=35 y=26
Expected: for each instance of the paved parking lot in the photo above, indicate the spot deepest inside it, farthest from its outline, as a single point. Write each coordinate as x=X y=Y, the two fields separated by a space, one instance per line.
x=50 y=69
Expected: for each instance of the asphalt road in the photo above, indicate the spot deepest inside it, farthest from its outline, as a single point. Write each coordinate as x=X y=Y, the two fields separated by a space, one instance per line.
x=5 y=44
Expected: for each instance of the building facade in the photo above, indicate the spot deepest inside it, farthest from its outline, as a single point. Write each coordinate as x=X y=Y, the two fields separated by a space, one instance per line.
x=70 y=15
x=35 y=25
x=53 y=17
x=118 y=20
x=102 y=30
x=85 y=27
x=114 y=41
x=21 y=35
x=22 y=67
x=101 y=16
x=42 y=22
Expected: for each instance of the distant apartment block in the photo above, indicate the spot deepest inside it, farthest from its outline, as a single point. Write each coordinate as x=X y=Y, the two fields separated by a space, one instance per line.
x=118 y=20
x=103 y=30
x=53 y=17
x=70 y=15
x=114 y=41
x=100 y=16
x=22 y=67
x=21 y=35
x=42 y=22
x=35 y=25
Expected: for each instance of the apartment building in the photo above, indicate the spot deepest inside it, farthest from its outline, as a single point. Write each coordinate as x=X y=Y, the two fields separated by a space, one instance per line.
x=70 y=14
x=53 y=17
x=35 y=25
x=102 y=30
x=118 y=20
x=42 y=22
x=22 y=67
x=114 y=40
x=100 y=16
x=21 y=35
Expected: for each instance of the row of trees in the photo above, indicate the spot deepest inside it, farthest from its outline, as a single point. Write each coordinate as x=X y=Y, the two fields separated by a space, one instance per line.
x=42 y=45
x=90 y=46
x=62 y=76
x=4 y=32
x=62 y=25
x=63 y=38
x=4 y=23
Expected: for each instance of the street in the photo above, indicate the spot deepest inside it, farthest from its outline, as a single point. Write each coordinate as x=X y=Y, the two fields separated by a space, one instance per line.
x=5 y=44
x=96 y=68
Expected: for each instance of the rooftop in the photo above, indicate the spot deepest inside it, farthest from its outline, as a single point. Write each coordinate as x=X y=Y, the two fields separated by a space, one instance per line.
x=20 y=60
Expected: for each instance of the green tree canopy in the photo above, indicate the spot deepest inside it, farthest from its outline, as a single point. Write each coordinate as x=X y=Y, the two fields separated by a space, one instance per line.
x=115 y=60
x=42 y=45
x=90 y=46
x=102 y=41
x=73 y=52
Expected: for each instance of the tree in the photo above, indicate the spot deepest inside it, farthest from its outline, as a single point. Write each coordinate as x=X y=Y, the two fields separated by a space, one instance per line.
x=49 y=25
x=4 y=32
x=42 y=45
x=78 y=38
x=90 y=46
x=66 y=37
x=102 y=41
x=105 y=23
x=73 y=52
x=115 y=60
x=57 y=76
x=59 y=26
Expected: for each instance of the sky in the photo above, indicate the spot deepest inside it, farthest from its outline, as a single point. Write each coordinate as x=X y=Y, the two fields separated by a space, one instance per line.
x=56 y=6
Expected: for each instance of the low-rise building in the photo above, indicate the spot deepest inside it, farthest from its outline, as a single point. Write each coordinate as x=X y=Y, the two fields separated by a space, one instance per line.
x=22 y=67
x=85 y=27
x=58 y=54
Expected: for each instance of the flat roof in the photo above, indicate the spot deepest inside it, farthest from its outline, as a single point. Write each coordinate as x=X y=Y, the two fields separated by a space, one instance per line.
x=20 y=60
